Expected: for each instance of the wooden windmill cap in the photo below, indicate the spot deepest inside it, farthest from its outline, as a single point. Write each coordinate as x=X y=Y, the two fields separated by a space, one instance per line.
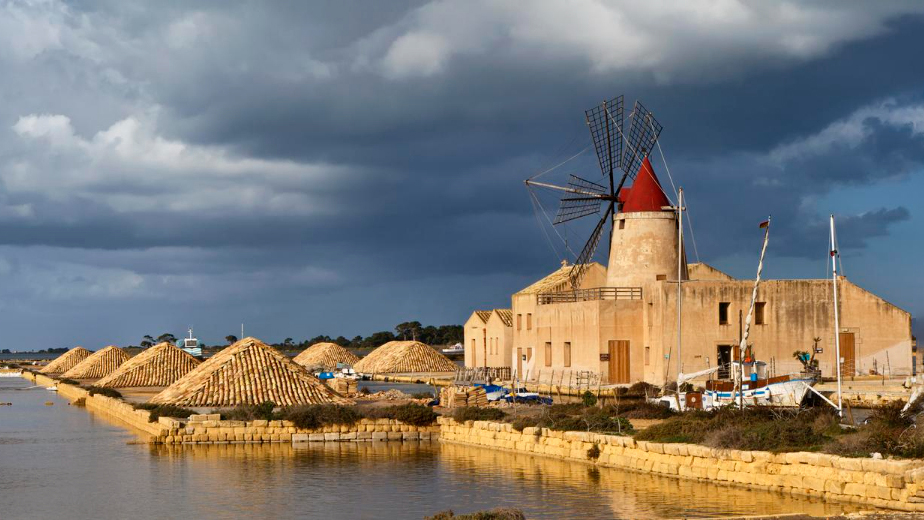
x=645 y=194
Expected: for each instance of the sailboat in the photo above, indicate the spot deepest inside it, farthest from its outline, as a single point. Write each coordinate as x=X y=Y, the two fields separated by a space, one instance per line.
x=747 y=383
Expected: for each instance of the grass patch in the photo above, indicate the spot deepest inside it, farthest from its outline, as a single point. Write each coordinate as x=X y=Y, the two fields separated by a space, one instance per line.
x=477 y=413
x=318 y=415
x=764 y=429
x=164 y=410
x=499 y=513
x=413 y=414
x=108 y=392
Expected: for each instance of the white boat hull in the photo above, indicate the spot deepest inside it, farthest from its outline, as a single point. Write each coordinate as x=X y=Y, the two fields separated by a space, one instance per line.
x=787 y=394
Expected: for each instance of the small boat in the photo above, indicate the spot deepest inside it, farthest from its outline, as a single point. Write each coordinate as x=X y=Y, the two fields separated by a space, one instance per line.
x=325 y=375
x=346 y=373
x=53 y=388
x=190 y=345
x=454 y=349
x=11 y=374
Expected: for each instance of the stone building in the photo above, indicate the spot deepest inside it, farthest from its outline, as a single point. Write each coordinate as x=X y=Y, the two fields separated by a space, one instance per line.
x=622 y=322
x=489 y=338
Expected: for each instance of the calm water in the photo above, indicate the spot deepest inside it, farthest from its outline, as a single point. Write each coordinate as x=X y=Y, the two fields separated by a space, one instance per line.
x=64 y=462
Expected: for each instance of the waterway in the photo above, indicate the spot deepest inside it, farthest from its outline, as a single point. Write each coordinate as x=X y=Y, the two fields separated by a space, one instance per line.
x=61 y=461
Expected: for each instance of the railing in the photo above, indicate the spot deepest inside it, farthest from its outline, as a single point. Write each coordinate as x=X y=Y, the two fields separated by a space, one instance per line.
x=594 y=294
x=481 y=374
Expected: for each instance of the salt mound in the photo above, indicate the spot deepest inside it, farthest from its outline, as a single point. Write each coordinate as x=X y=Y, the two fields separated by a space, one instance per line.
x=100 y=364
x=160 y=365
x=404 y=356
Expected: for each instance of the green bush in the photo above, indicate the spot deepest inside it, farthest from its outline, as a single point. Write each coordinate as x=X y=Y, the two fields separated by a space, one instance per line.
x=588 y=398
x=642 y=389
x=522 y=422
x=318 y=415
x=641 y=410
x=413 y=414
x=164 y=410
x=251 y=412
x=69 y=382
x=756 y=428
x=478 y=413
x=593 y=453
x=108 y=392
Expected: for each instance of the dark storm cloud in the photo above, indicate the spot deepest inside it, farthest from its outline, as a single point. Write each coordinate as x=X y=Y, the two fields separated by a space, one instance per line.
x=302 y=150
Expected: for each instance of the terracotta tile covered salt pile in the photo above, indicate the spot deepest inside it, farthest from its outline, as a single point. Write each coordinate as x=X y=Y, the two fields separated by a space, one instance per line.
x=247 y=372
x=66 y=361
x=160 y=365
x=325 y=356
x=397 y=357
x=100 y=364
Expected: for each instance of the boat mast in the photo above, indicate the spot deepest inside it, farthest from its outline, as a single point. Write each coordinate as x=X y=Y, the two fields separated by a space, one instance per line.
x=679 y=291
x=747 y=321
x=837 y=325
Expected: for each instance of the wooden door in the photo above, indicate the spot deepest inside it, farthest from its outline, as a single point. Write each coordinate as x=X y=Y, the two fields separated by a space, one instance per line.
x=619 y=362
x=520 y=362
x=848 y=354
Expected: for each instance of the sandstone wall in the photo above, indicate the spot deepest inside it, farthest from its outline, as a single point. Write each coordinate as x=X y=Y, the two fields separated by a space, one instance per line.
x=114 y=408
x=209 y=429
x=882 y=483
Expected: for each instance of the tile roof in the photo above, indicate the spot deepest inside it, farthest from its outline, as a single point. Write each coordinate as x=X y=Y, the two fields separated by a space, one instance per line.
x=506 y=316
x=326 y=356
x=66 y=361
x=247 y=372
x=556 y=281
x=160 y=365
x=99 y=364
x=484 y=315
x=397 y=357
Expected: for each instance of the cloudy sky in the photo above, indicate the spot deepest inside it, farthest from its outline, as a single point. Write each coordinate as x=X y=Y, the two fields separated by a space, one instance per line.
x=337 y=167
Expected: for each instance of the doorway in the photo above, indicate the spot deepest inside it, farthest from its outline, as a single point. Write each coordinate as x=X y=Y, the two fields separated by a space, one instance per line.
x=848 y=354
x=725 y=354
x=619 y=361
x=520 y=362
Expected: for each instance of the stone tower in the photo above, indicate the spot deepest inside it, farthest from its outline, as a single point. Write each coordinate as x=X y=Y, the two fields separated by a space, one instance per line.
x=644 y=246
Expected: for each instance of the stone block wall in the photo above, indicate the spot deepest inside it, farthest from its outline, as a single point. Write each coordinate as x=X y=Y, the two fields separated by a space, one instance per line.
x=210 y=429
x=112 y=407
x=893 y=484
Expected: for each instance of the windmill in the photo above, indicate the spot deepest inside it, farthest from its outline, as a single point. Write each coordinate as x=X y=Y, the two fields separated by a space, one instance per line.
x=620 y=157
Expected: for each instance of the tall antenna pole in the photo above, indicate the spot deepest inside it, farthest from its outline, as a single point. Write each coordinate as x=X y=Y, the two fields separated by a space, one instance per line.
x=242 y=330
x=679 y=289
x=837 y=324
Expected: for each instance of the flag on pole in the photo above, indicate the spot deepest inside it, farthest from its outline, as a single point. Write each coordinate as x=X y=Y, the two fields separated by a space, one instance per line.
x=765 y=224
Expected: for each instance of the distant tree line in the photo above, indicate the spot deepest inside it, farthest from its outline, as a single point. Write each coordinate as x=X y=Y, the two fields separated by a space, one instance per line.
x=409 y=330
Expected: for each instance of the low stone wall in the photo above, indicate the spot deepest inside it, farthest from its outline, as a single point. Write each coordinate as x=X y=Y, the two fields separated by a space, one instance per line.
x=112 y=407
x=892 y=484
x=210 y=429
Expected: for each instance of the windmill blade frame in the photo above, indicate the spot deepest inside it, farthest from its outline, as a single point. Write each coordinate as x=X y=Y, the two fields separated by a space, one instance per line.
x=644 y=131
x=605 y=122
x=579 y=269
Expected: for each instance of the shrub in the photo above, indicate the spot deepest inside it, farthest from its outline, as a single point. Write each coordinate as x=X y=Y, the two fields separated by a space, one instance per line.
x=318 y=415
x=108 y=392
x=477 y=413
x=499 y=513
x=69 y=382
x=422 y=395
x=413 y=414
x=593 y=453
x=588 y=398
x=642 y=410
x=251 y=412
x=164 y=410
x=522 y=422
x=642 y=389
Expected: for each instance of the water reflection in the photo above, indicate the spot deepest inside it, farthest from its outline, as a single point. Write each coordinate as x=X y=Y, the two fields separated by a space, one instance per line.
x=60 y=461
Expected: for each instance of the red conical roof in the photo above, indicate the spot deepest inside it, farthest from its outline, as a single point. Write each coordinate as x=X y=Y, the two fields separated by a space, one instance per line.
x=645 y=193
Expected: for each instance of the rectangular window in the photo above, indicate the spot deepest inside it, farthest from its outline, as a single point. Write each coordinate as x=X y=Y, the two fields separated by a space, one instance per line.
x=566 y=351
x=661 y=277
x=529 y=321
x=647 y=356
x=519 y=321
x=759 y=317
x=723 y=313
x=548 y=354
x=622 y=224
